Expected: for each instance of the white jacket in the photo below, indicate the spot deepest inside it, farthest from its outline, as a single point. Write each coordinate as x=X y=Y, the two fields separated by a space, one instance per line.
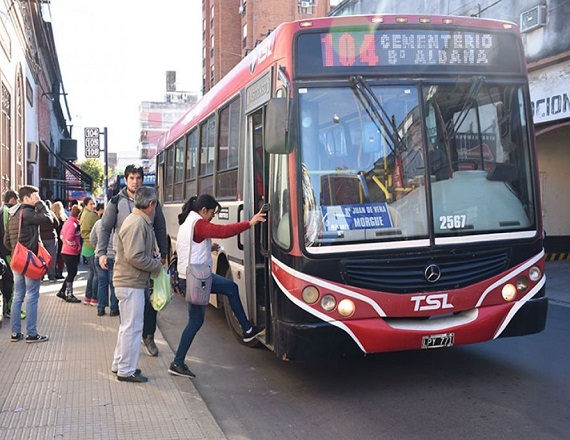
x=201 y=252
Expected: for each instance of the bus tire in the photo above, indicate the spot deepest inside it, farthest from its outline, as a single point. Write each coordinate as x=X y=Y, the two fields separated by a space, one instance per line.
x=231 y=319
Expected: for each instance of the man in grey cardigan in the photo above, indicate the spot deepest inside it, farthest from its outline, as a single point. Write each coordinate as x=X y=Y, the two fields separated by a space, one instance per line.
x=135 y=247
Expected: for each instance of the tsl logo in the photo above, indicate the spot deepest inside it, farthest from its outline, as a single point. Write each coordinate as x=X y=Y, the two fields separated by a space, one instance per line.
x=431 y=302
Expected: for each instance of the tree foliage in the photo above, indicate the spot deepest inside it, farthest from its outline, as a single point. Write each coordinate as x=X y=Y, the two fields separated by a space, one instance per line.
x=95 y=169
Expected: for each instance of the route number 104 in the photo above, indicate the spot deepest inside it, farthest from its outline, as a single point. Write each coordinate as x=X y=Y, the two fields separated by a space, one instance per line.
x=452 y=221
x=347 y=52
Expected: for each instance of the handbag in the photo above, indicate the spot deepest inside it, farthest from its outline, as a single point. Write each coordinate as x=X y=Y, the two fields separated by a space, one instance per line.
x=198 y=284
x=160 y=295
x=28 y=264
x=198 y=279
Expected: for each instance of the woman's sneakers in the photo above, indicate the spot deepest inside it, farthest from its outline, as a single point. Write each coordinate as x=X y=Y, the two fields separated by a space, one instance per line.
x=71 y=298
x=250 y=335
x=67 y=296
x=180 y=370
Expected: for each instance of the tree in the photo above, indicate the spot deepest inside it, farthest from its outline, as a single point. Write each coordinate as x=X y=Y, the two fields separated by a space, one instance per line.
x=94 y=168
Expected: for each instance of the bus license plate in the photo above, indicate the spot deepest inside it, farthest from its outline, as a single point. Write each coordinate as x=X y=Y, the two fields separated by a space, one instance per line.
x=438 y=341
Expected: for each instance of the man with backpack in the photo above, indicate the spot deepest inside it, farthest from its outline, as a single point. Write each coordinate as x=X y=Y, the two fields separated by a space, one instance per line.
x=118 y=209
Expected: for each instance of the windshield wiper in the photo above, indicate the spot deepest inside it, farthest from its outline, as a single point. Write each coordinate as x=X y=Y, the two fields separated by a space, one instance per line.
x=376 y=111
x=469 y=102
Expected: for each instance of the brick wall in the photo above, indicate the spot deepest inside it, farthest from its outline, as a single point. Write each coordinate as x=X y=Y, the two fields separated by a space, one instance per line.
x=227 y=28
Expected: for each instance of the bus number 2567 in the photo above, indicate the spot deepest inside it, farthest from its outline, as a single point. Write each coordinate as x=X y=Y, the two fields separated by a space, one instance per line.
x=452 y=221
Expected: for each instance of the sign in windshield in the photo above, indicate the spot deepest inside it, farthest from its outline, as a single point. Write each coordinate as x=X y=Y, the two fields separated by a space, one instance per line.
x=348 y=217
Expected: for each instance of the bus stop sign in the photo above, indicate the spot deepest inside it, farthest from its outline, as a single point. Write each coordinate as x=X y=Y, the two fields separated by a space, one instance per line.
x=92 y=148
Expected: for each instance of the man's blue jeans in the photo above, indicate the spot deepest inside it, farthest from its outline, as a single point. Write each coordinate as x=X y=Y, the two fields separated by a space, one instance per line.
x=196 y=314
x=25 y=287
x=105 y=287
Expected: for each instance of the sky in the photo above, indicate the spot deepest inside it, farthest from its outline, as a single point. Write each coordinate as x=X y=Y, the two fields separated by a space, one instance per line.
x=114 y=54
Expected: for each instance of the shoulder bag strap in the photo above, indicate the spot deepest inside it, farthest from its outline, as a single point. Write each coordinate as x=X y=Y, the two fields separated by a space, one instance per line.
x=191 y=240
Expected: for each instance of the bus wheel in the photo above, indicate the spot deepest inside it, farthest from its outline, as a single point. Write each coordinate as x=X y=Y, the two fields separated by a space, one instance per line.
x=233 y=322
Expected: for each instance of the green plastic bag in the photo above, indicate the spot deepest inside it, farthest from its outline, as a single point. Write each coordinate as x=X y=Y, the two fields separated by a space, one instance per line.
x=161 y=294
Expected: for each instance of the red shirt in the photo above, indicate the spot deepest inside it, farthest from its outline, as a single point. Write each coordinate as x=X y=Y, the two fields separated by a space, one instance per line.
x=204 y=229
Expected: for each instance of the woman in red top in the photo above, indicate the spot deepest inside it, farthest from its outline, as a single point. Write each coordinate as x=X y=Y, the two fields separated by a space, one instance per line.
x=195 y=221
x=70 y=250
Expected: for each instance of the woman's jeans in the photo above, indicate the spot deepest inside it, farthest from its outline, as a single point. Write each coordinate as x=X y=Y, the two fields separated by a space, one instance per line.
x=28 y=288
x=196 y=314
x=105 y=287
x=91 y=288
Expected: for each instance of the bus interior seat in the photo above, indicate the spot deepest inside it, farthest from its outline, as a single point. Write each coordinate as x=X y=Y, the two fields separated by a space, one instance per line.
x=343 y=189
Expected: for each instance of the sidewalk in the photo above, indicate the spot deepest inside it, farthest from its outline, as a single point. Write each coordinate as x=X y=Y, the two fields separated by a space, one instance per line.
x=64 y=389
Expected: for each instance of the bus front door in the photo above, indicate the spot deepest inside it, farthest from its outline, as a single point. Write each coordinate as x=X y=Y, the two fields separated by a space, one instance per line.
x=261 y=242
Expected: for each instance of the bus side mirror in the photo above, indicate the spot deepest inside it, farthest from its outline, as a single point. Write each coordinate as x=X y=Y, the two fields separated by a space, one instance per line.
x=276 y=127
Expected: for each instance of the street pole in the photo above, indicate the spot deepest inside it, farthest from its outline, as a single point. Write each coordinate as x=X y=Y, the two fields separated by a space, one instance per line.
x=106 y=159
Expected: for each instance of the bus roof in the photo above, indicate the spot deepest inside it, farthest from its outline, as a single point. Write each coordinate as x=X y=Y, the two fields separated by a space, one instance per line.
x=278 y=46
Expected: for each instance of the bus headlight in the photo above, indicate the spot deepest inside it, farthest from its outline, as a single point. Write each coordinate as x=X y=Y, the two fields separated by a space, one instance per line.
x=328 y=303
x=509 y=292
x=310 y=294
x=522 y=283
x=535 y=273
x=346 y=307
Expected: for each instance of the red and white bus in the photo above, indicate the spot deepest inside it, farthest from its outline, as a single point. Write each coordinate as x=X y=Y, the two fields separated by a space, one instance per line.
x=398 y=155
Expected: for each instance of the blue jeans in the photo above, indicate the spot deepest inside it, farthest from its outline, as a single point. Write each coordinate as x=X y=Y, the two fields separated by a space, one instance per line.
x=24 y=286
x=105 y=287
x=91 y=288
x=196 y=314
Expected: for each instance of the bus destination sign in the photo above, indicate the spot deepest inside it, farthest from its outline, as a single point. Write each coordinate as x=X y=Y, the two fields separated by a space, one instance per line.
x=407 y=47
x=406 y=50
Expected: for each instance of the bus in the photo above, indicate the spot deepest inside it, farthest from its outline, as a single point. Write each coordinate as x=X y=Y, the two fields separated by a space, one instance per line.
x=397 y=153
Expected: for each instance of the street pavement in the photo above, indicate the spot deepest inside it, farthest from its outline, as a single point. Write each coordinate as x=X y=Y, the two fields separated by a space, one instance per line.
x=64 y=389
x=558 y=282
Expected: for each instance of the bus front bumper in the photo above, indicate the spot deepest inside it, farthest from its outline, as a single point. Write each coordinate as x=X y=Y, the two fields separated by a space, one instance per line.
x=360 y=337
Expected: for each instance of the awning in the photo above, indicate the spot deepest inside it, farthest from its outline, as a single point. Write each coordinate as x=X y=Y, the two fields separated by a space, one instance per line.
x=86 y=183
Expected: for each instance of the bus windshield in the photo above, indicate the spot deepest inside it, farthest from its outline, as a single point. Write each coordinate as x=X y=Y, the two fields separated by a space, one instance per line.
x=385 y=162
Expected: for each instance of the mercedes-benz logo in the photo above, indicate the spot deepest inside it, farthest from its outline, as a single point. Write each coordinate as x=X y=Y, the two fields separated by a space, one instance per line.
x=432 y=273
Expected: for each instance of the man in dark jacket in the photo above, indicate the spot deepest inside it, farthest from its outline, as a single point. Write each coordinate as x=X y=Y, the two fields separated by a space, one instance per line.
x=118 y=209
x=33 y=213
x=7 y=282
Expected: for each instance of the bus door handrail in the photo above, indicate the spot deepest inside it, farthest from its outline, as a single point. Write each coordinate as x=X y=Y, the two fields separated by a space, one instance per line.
x=239 y=216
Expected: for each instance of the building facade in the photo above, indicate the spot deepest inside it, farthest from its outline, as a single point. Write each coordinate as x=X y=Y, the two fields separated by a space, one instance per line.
x=33 y=125
x=546 y=37
x=157 y=117
x=232 y=28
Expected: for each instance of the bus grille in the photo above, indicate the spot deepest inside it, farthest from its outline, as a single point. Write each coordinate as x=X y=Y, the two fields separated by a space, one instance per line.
x=406 y=274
